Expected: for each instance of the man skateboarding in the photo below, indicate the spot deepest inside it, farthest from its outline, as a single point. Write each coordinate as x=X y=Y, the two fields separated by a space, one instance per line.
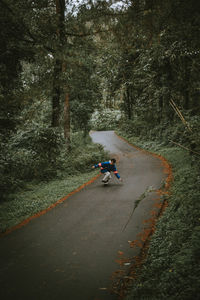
x=106 y=168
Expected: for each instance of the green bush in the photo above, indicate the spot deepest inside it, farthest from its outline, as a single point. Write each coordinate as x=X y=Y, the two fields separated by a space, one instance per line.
x=172 y=267
x=41 y=154
x=36 y=152
x=30 y=154
x=82 y=156
x=105 y=119
x=165 y=132
x=136 y=127
x=73 y=168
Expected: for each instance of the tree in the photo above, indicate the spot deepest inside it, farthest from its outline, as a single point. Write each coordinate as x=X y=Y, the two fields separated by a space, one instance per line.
x=58 y=65
x=14 y=48
x=158 y=55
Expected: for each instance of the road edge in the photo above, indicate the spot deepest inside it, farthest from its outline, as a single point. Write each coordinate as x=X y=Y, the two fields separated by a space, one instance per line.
x=44 y=211
x=122 y=283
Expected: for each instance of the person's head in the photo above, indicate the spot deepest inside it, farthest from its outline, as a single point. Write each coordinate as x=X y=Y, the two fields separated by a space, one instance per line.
x=113 y=161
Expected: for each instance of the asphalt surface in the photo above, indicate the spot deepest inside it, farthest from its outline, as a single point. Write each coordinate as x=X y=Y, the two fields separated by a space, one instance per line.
x=70 y=253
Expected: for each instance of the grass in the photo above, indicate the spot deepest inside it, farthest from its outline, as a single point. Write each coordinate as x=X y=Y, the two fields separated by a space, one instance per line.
x=172 y=267
x=35 y=198
x=36 y=195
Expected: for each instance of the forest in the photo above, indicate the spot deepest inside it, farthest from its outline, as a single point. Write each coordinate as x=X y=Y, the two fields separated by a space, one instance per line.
x=69 y=67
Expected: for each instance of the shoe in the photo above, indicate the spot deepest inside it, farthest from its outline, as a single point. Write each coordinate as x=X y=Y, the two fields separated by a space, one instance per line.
x=104 y=181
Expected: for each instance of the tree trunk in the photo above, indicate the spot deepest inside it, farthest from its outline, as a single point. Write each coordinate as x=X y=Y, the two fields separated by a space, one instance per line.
x=57 y=88
x=160 y=109
x=129 y=104
x=56 y=92
x=67 y=121
x=186 y=103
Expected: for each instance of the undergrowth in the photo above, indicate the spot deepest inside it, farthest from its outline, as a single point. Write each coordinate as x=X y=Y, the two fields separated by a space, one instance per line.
x=72 y=169
x=36 y=197
x=172 y=267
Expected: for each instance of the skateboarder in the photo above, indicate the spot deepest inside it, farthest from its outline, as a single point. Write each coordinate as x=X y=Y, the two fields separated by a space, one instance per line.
x=106 y=168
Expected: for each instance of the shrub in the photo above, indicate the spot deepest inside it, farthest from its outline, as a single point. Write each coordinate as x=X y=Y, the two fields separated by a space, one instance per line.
x=171 y=270
x=29 y=154
x=82 y=156
x=105 y=119
x=41 y=154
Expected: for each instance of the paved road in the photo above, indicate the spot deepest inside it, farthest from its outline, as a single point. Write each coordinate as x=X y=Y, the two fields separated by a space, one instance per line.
x=70 y=252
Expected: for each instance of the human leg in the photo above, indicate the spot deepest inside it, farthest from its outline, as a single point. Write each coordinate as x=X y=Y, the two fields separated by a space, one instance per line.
x=107 y=177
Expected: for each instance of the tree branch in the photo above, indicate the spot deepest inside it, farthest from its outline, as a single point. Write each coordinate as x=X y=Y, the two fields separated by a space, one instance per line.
x=185 y=147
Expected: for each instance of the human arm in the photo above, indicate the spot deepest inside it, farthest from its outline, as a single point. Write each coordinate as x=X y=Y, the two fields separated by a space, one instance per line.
x=117 y=174
x=96 y=166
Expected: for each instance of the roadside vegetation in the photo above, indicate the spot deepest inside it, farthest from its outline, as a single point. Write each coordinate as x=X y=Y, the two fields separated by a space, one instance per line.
x=71 y=66
x=171 y=269
x=32 y=182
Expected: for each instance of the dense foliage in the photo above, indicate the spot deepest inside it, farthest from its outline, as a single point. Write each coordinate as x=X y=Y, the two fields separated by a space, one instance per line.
x=48 y=89
x=171 y=269
x=70 y=66
x=159 y=80
x=155 y=69
x=105 y=119
x=42 y=182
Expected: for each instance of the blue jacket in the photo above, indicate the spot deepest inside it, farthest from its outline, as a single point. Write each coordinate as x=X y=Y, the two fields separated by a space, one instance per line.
x=107 y=167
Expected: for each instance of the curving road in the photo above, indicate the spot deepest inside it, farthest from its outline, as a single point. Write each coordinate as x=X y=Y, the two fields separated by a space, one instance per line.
x=70 y=252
